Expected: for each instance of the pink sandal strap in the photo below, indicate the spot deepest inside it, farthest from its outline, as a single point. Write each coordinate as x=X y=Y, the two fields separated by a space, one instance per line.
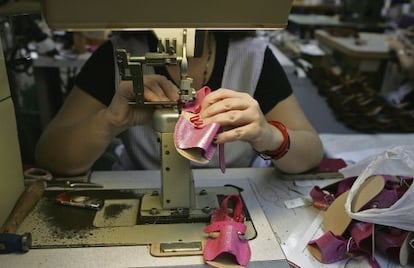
x=230 y=233
x=329 y=248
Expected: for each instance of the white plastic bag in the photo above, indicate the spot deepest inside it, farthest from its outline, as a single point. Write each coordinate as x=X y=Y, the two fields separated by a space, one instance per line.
x=394 y=161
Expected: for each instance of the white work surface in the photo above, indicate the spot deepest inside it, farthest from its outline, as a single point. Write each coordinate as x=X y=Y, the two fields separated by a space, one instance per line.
x=373 y=46
x=355 y=147
x=292 y=227
x=266 y=251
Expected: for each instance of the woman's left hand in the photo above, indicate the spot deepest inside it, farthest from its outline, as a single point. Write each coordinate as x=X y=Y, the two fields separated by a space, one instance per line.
x=241 y=118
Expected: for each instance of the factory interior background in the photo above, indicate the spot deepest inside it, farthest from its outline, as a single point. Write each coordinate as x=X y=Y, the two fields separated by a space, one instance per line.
x=334 y=53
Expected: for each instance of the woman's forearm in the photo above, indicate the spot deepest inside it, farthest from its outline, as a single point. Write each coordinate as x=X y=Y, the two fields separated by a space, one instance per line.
x=305 y=152
x=72 y=149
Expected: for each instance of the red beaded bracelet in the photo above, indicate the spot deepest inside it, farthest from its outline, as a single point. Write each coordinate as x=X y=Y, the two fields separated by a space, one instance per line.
x=284 y=147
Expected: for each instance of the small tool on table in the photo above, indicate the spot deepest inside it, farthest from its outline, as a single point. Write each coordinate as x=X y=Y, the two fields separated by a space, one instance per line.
x=38 y=174
x=38 y=180
x=10 y=241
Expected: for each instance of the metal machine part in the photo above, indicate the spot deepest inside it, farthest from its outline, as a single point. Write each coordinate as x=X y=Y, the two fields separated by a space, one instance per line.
x=130 y=67
x=177 y=199
x=176 y=176
x=81 y=201
x=54 y=224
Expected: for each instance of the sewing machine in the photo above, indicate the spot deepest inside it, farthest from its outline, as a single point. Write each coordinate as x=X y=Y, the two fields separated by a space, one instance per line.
x=178 y=200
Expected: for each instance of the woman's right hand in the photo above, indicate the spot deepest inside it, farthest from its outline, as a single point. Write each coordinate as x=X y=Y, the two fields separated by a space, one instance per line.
x=122 y=115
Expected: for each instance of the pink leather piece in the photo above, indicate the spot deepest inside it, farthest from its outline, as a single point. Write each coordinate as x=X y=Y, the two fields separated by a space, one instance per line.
x=394 y=188
x=384 y=199
x=187 y=137
x=222 y=161
x=360 y=233
x=323 y=197
x=228 y=241
x=332 y=248
x=335 y=248
x=222 y=213
x=229 y=229
x=389 y=241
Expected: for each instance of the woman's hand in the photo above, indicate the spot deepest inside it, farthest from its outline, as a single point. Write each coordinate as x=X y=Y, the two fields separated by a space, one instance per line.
x=241 y=118
x=122 y=115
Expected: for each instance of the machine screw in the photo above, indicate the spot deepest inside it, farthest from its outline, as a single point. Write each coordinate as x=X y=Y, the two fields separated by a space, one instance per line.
x=180 y=210
x=154 y=211
x=206 y=210
x=203 y=192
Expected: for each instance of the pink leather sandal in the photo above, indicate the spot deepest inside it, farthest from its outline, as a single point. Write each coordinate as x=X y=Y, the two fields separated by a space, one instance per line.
x=194 y=142
x=230 y=230
x=330 y=248
x=347 y=237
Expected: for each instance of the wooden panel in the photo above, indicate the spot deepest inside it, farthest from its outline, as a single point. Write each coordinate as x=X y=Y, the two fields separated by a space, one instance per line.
x=4 y=82
x=11 y=175
x=98 y=14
